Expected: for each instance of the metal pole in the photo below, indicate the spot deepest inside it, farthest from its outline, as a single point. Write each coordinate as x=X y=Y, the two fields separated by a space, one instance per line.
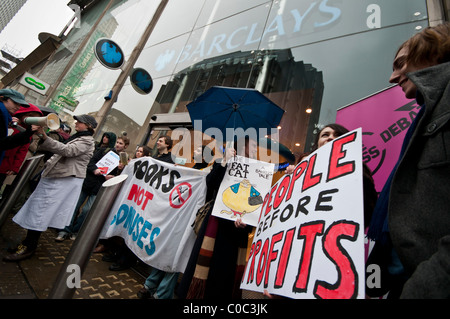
x=24 y=175
x=87 y=238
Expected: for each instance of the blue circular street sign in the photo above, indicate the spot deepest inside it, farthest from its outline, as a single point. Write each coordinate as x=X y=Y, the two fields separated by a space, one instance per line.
x=109 y=53
x=141 y=81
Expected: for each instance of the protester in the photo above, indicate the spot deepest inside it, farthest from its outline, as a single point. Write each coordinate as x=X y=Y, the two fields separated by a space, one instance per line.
x=411 y=222
x=217 y=260
x=92 y=184
x=14 y=158
x=163 y=145
x=160 y=284
x=54 y=200
x=142 y=151
x=10 y=103
x=202 y=156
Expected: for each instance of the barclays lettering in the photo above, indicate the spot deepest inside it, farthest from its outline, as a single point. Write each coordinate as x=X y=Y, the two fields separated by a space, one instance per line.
x=284 y=23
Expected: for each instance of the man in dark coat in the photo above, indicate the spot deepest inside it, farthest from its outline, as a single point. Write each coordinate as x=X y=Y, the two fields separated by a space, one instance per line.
x=411 y=222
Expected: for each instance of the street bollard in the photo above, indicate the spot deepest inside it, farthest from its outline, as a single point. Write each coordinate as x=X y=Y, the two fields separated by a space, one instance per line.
x=22 y=177
x=87 y=238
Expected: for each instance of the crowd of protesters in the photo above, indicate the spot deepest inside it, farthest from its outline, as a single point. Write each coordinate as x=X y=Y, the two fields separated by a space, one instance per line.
x=408 y=221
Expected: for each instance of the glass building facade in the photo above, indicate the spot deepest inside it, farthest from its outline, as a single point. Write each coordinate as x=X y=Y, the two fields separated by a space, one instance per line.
x=310 y=57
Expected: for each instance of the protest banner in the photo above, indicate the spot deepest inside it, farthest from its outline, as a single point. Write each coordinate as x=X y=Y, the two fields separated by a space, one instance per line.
x=155 y=210
x=108 y=162
x=309 y=242
x=384 y=118
x=241 y=192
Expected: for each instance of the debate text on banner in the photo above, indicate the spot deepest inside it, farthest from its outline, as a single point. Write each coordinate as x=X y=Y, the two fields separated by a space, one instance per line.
x=384 y=118
x=309 y=242
x=155 y=210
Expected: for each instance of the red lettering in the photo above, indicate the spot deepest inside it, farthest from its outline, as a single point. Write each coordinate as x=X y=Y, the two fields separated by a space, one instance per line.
x=273 y=254
x=148 y=196
x=262 y=262
x=298 y=172
x=284 y=258
x=252 y=256
x=346 y=286
x=269 y=207
x=134 y=192
x=137 y=194
x=310 y=180
x=282 y=188
x=308 y=232
x=337 y=169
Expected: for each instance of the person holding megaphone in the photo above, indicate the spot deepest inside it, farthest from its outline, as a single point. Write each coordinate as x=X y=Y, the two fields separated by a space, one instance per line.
x=10 y=103
x=54 y=200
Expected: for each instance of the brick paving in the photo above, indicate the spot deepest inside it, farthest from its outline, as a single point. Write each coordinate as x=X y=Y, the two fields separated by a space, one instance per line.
x=33 y=278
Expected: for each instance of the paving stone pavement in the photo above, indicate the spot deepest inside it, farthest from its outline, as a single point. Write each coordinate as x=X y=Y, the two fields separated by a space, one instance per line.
x=33 y=278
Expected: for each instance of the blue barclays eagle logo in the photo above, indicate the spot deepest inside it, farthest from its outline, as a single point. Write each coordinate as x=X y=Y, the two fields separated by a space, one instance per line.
x=111 y=54
x=144 y=81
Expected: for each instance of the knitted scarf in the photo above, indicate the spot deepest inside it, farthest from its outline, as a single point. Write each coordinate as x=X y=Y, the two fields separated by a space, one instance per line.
x=198 y=284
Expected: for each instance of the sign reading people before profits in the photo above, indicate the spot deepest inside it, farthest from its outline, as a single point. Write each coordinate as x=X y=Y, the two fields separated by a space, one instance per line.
x=155 y=210
x=309 y=242
x=241 y=192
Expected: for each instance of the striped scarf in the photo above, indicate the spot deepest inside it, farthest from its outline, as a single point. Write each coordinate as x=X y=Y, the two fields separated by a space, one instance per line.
x=197 y=287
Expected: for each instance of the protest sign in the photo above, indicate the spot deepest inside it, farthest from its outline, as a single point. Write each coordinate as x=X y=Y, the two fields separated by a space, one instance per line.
x=108 y=162
x=155 y=210
x=241 y=192
x=309 y=242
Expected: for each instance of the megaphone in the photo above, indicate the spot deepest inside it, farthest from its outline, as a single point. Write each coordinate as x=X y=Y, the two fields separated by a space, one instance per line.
x=51 y=121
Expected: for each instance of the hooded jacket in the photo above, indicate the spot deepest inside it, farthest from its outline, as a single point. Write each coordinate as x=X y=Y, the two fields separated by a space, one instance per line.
x=93 y=183
x=14 y=158
x=419 y=201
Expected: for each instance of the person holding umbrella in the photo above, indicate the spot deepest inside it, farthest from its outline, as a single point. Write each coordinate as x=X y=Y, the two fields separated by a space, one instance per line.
x=218 y=257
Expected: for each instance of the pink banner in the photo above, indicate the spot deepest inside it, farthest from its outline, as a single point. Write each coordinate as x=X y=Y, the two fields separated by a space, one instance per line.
x=384 y=118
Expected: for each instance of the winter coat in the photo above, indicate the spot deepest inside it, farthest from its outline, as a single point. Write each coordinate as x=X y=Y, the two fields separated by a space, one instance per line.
x=70 y=159
x=419 y=201
x=13 y=159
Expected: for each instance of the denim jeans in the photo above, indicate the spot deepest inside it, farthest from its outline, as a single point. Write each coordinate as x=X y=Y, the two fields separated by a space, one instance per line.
x=161 y=284
x=77 y=221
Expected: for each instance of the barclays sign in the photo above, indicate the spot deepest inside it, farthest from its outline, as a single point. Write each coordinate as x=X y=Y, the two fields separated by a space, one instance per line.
x=304 y=22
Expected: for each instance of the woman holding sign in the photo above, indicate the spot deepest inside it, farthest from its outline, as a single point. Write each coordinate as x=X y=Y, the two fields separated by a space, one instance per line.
x=55 y=197
x=217 y=259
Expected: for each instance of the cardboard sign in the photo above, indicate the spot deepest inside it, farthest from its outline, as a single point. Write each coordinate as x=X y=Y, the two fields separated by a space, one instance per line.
x=241 y=192
x=309 y=242
x=108 y=162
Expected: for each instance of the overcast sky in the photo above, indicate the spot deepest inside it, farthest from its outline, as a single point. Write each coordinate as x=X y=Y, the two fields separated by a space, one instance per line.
x=36 y=16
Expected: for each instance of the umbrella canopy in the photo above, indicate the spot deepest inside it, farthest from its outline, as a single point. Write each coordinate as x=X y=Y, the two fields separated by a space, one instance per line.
x=277 y=147
x=224 y=107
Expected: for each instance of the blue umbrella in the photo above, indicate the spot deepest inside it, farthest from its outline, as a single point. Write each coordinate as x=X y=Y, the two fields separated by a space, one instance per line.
x=225 y=107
